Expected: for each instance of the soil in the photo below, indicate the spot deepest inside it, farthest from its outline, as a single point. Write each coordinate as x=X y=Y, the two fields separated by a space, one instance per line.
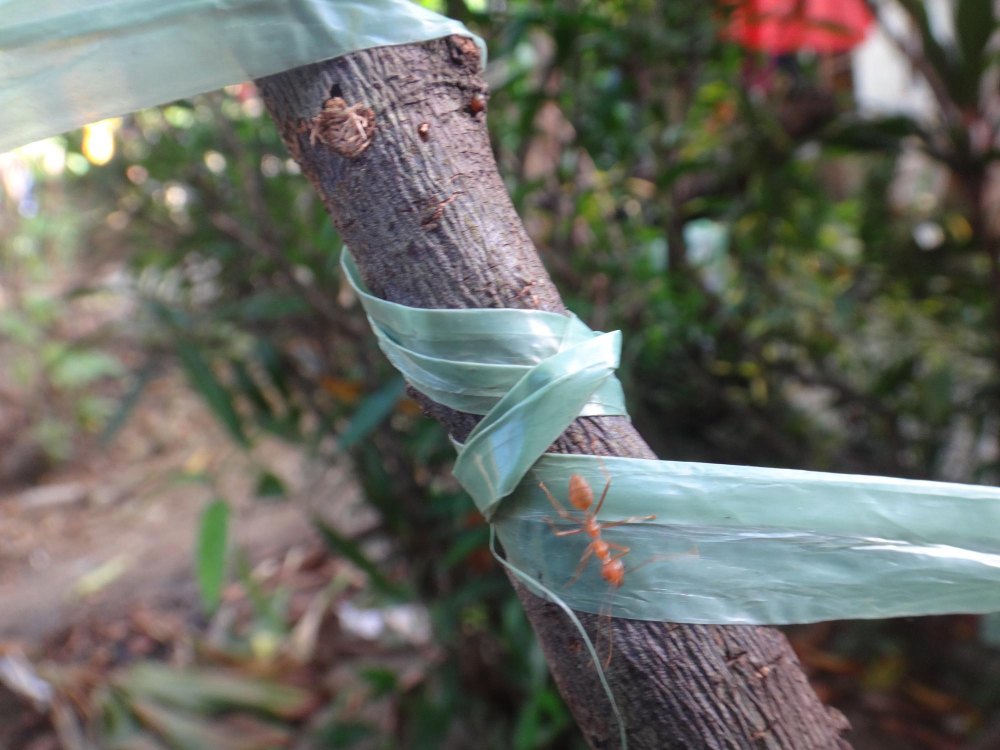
x=96 y=568
x=118 y=527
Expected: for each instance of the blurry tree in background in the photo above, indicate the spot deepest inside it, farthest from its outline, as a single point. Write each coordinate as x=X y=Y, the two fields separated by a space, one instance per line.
x=736 y=217
x=798 y=285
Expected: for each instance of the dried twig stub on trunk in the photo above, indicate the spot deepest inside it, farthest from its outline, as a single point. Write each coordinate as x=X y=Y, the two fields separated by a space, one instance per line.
x=345 y=129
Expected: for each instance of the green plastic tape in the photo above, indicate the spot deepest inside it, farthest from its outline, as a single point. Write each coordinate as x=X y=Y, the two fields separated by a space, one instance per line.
x=739 y=544
x=518 y=367
x=729 y=544
x=64 y=63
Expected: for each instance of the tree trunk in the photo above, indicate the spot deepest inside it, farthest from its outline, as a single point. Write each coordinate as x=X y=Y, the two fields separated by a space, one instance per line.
x=395 y=141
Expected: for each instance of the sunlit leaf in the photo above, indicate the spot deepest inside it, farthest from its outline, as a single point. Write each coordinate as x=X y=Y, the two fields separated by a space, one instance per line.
x=210 y=563
x=206 y=690
x=77 y=368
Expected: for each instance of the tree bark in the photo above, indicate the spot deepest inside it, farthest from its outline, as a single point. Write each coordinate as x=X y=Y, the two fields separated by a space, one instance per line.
x=395 y=141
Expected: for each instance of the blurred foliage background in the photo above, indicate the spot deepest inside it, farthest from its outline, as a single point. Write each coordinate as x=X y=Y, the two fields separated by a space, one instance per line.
x=800 y=284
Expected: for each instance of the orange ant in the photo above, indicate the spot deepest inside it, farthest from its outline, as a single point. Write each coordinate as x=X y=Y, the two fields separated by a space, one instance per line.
x=581 y=497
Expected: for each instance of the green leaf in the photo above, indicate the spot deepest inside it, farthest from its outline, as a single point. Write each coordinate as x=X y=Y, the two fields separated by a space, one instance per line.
x=186 y=731
x=92 y=412
x=269 y=485
x=78 y=368
x=210 y=563
x=895 y=376
x=16 y=326
x=871 y=134
x=350 y=549
x=216 y=395
x=464 y=543
x=543 y=717
x=974 y=25
x=275 y=365
x=381 y=680
x=128 y=402
x=249 y=388
x=942 y=59
x=207 y=690
x=372 y=411
x=345 y=734
x=271 y=305
x=268 y=417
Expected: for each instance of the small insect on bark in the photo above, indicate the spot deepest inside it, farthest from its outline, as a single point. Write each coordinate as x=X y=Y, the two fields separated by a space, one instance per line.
x=477 y=103
x=424 y=131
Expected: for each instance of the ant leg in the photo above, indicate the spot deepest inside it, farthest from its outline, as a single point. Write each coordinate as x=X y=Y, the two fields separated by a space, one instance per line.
x=624 y=521
x=583 y=564
x=563 y=532
x=560 y=509
x=691 y=553
x=622 y=550
x=604 y=493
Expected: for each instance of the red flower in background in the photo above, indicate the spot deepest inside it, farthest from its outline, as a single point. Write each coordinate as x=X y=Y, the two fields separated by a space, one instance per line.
x=781 y=27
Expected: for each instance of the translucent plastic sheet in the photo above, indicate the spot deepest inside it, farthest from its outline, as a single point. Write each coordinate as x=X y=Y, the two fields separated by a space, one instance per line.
x=534 y=372
x=64 y=63
x=729 y=544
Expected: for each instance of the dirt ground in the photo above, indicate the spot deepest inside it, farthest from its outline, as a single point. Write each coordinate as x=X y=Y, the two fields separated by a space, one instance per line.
x=119 y=527
x=103 y=547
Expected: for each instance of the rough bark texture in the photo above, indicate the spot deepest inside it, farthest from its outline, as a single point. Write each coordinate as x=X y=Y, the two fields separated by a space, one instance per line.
x=404 y=166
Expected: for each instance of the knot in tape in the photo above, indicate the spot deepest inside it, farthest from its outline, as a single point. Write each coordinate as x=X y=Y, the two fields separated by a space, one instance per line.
x=706 y=543
x=530 y=373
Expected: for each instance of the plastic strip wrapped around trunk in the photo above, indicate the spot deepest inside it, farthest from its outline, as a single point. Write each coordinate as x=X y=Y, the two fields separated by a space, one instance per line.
x=728 y=544
x=64 y=63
